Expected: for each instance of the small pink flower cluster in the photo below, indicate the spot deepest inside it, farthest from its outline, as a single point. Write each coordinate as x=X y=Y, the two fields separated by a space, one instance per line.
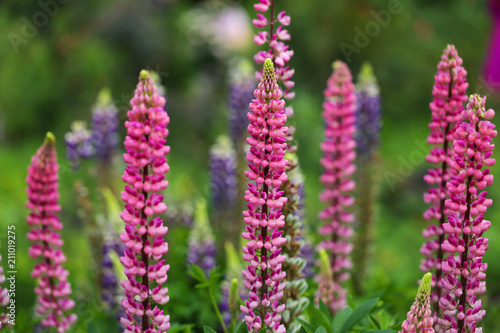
x=419 y=318
x=464 y=270
x=53 y=287
x=145 y=175
x=264 y=218
x=278 y=51
x=447 y=106
x=339 y=154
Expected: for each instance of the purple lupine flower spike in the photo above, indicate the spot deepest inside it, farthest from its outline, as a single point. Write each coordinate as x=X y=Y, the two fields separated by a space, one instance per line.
x=53 y=288
x=201 y=242
x=339 y=154
x=368 y=124
x=419 y=318
x=447 y=106
x=464 y=271
x=144 y=233
x=368 y=112
x=264 y=218
x=78 y=143
x=223 y=177
x=240 y=92
x=105 y=127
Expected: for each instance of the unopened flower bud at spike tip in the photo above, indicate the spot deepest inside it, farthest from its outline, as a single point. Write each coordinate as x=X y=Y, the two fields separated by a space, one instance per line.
x=50 y=139
x=268 y=65
x=144 y=75
x=425 y=285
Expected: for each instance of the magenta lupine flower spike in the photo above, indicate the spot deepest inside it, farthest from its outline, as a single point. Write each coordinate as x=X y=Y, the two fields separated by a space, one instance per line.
x=339 y=154
x=264 y=218
x=53 y=288
x=145 y=267
x=419 y=319
x=464 y=269
x=447 y=106
x=278 y=51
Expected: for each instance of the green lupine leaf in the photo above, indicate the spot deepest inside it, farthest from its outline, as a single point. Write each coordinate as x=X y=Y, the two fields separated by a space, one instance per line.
x=340 y=318
x=207 y=329
x=308 y=327
x=359 y=313
x=323 y=308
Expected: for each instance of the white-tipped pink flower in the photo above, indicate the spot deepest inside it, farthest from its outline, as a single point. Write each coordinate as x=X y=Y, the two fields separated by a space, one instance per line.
x=464 y=270
x=339 y=154
x=53 y=288
x=145 y=267
x=264 y=218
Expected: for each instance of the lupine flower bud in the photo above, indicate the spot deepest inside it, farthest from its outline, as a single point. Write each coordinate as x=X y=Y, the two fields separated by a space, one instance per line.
x=419 y=319
x=328 y=291
x=78 y=143
x=464 y=271
x=201 y=243
x=447 y=106
x=339 y=154
x=144 y=233
x=53 y=288
x=264 y=218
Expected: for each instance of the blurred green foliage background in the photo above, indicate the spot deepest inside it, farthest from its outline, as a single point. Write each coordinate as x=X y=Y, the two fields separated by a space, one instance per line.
x=50 y=75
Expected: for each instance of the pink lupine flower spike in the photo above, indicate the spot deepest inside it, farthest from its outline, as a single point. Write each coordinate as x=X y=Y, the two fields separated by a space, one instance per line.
x=464 y=270
x=53 y=288
x=144 y=175
x=264 y=218
x=339 y=154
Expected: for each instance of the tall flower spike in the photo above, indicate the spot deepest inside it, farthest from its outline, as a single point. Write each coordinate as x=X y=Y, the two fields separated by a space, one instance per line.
x=339 y=154
x=53 y=288
x=144 y=233
x=464 y=270
x=447 y=106
x=368 y=123
x=419 y=319
x=278 y=51
x=264 y=219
